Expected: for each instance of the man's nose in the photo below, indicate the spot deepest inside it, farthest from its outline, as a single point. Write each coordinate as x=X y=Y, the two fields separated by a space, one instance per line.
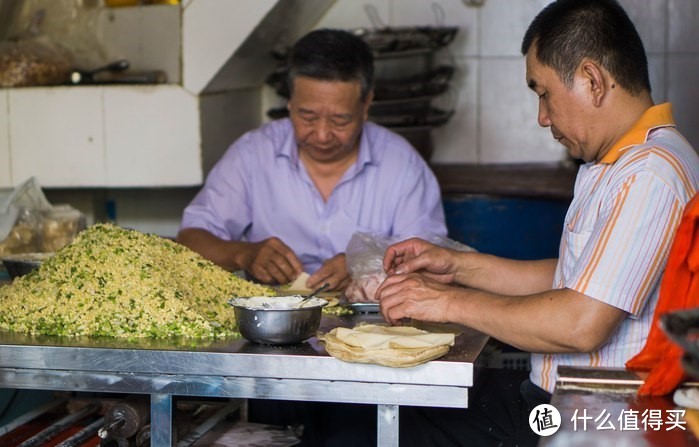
x=323 y=131
x=543 y=116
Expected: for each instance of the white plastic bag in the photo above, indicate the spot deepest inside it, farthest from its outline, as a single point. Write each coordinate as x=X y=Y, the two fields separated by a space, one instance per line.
x=364 y=256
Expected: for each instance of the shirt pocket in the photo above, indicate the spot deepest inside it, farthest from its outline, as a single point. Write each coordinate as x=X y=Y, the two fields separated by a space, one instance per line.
x=575 y=241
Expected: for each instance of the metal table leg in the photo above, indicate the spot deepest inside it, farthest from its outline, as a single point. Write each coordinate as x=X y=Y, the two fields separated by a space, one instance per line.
x=387 y=426
x=161 y=420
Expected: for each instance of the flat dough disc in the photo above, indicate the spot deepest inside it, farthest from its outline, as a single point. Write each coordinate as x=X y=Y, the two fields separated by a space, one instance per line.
x=299 y=284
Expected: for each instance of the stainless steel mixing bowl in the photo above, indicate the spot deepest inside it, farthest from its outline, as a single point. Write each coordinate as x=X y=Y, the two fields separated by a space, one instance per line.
x=275 y=320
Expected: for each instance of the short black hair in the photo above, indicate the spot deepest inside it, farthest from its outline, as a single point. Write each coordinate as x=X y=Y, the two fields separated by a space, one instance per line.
x=332 y=55
x=567 y=31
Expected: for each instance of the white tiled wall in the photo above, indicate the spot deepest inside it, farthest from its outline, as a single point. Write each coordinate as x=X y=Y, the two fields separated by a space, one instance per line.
x=682 y=71
x=61 y=112
x=495 y=118
x=683 y=16
x=127 y=33
x=161 y=154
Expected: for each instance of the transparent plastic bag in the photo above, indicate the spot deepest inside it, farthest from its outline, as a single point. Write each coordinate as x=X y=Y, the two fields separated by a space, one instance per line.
x=25 y=234
x=364 y=256
x=32 y=62
x=42 y=231
x=30 y=224
x=46 y=39
x=59 y=226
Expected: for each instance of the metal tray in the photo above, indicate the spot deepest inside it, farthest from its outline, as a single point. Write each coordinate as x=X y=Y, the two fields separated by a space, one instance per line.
x=364 y=308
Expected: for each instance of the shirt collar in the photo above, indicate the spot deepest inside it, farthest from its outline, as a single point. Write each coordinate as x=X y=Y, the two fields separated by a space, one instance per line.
x=654 y=118
x=289 y=149
x=366 y=148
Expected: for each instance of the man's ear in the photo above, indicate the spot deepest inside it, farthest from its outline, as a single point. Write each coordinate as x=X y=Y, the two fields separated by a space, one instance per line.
x=597 y=81
x=367 y=104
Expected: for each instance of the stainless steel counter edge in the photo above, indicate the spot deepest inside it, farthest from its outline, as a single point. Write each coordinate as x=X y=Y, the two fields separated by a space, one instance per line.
x=229 y=364
x=239 y=387
x=234 y=357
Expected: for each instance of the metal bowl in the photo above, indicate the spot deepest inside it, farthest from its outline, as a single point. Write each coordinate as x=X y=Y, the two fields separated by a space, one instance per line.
x=23 y=263
x=277 y=320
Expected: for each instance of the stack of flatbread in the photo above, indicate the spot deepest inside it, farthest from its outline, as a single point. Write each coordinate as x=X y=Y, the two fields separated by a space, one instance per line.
x=396 y=346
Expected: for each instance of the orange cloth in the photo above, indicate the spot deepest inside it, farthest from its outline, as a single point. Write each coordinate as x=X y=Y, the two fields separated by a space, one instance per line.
x=679 y=289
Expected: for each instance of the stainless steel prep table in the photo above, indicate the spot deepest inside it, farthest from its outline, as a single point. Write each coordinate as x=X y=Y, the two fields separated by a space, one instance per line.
x=237 y=369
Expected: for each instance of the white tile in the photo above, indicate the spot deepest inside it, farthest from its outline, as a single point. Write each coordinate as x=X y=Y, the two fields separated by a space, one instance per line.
x=152 y=137
x=57 y=136
x=509 y=131
x=503 y=24
x=5 y=172
x=224 y=118
x=212 y=30
x=148 y=37
x=650 y=18
x=683 y=31
x=457 y=141
x=441 y=13
x=162 y=38
x=353 y=14
x=656 y=72
x=119 y=30
x=683 y=72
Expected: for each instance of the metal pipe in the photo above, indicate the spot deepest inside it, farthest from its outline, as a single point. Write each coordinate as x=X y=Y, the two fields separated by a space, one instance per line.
x=83 y=435
x=30 y=415
x=52 y=430
x=208 y=424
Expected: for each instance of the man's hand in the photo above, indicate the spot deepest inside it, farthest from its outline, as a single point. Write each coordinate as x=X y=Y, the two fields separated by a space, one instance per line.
x=270 y=261
x=414 y=296
x=333 y=271
x=417 y=255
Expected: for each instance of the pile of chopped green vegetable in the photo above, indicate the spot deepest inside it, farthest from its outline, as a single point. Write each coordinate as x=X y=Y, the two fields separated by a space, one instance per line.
x=122 y=283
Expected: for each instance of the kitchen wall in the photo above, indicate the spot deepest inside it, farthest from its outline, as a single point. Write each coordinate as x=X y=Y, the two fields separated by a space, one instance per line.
x=495 y=119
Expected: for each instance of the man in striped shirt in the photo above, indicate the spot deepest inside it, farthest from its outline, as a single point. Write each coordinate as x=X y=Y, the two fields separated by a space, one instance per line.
x=592 y=306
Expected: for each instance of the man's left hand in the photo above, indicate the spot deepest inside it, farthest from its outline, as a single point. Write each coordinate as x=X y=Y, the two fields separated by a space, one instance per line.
x=414 y=296
x=333 y=271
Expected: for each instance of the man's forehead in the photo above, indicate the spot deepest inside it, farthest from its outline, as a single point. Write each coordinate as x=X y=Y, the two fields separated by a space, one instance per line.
x=533 y=67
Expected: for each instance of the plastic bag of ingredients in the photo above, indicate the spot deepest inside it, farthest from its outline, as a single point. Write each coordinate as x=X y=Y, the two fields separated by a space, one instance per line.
x=20 y=217
x=59 y=226
x=364 y=257
x=24 y=236
x=32 y=62
x=43 y=40
x=30 y=224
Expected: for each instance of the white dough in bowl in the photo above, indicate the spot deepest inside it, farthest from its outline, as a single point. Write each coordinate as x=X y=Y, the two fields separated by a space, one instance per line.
x=276 y=302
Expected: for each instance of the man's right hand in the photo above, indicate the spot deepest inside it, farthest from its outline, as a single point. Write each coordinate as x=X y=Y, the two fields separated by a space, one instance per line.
x=270 y=261
x=417 y=255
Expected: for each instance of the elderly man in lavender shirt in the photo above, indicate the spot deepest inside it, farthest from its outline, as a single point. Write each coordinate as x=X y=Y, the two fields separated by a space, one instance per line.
x=287 y=197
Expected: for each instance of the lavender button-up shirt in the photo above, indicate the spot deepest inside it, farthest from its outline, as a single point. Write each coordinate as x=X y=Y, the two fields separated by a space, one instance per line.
x=260 y=189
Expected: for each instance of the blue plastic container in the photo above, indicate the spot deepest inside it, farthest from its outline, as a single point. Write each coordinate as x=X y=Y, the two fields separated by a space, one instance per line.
x=516 y=228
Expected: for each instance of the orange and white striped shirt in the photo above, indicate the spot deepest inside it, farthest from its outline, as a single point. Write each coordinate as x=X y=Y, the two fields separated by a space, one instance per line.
x=618 y=232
